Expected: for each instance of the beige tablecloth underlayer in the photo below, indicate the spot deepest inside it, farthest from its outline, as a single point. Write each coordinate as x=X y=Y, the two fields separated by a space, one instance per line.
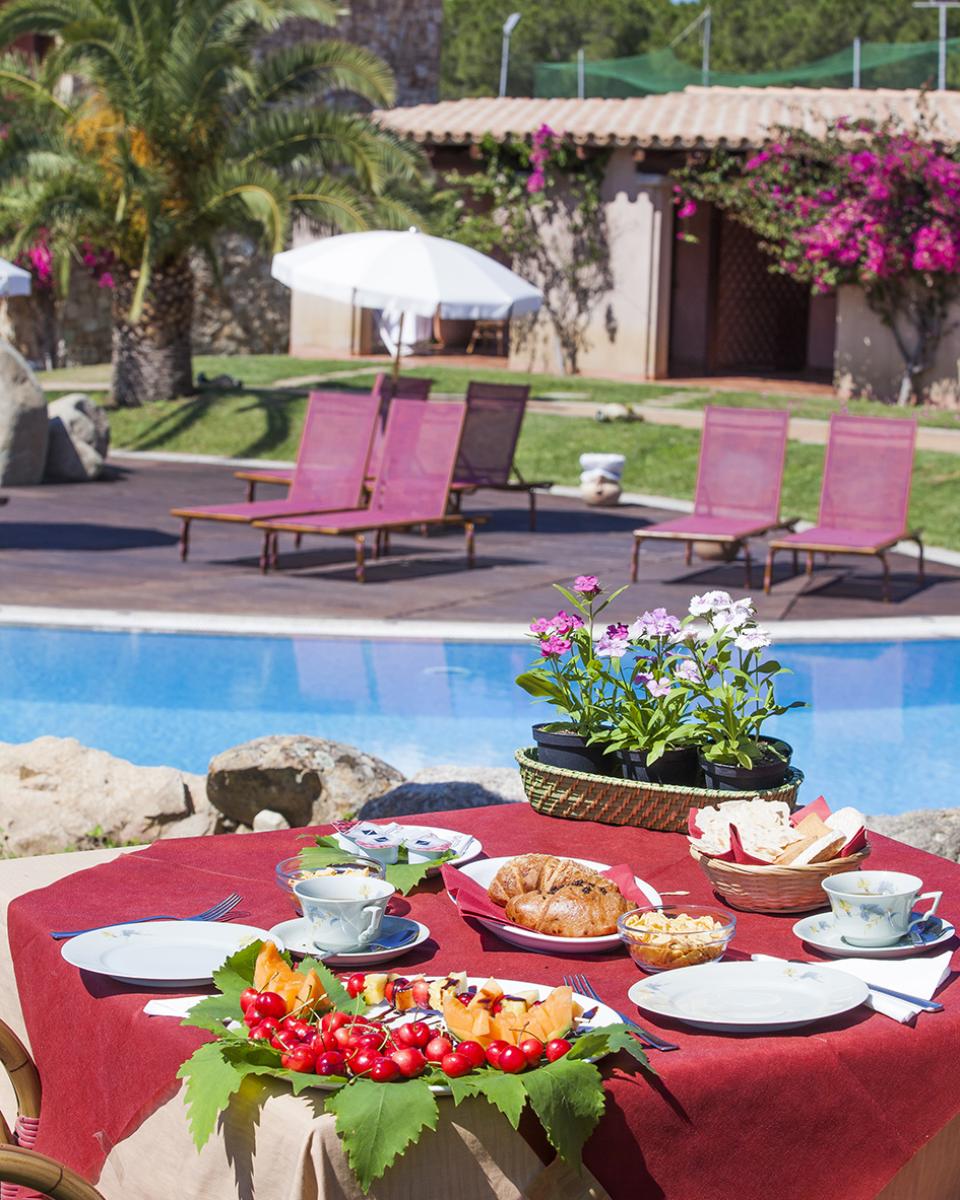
x=275 y=1146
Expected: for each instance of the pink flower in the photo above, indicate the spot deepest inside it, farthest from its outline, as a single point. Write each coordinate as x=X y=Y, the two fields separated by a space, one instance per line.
x=587 y=585
x=609 y=645
x=565 y=622
x=536 y=181
x=687 y=670
x=757 y=161
x=541 y=625
x=655 y=687
x=687 y=209
x=554 y=646
x=105 y=280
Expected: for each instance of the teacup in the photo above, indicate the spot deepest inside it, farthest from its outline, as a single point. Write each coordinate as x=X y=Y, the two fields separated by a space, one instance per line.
x=344 y=911
x=875 y=908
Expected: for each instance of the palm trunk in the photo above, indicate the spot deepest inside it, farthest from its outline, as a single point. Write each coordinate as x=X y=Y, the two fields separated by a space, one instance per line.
x=152 y=356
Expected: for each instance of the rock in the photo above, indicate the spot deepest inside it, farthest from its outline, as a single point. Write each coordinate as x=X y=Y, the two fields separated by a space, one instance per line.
x=717 y=551
x=307 y=780
x=268 y=821
x=437 y=788
x=936 y=830
x=60 y=795
x=23 y=421
x=79 y=438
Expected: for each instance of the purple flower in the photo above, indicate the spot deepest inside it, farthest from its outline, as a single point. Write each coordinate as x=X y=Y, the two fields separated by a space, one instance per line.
x=105 y=280
x=554 y=645
x=687 y=670
x=752 y=639
x=612 y=645
x=655 y=687
x=587 y=585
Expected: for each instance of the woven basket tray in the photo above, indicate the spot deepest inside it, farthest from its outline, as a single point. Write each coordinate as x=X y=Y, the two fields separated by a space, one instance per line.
x=581 y=797
x=775 y=889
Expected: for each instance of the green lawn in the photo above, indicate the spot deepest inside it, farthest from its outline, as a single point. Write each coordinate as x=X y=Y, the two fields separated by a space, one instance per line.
x=822 y=406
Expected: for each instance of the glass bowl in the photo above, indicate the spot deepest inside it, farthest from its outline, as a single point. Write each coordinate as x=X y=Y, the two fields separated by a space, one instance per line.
x=289 y=870
x=664 y=937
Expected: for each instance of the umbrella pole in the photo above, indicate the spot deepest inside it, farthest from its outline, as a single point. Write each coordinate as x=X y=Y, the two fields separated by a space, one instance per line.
x=396 y=357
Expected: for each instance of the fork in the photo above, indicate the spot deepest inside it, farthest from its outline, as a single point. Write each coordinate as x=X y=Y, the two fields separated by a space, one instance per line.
x=216 y=912
x=581 y=984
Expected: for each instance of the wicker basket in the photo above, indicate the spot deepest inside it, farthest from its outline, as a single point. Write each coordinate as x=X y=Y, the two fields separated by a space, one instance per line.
x=775 y=889
x=666 y=807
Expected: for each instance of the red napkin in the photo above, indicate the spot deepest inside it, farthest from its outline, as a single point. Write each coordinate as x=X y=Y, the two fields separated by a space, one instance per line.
x=737 y=854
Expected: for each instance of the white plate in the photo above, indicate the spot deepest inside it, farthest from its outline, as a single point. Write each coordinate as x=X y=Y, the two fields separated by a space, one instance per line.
x=749 y=997
x=600 y=1015
x=473 y=848
x=160 y=954
x=528 y=939
x=820 y=931
x=298 y=939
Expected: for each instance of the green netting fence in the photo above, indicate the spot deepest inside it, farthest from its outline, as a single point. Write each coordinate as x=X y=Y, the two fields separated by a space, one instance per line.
x=882 y=64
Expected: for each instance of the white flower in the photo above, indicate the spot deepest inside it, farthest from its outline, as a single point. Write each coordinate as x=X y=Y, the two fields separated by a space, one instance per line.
x=730 y=618
x=752 y=639
x=709 y=602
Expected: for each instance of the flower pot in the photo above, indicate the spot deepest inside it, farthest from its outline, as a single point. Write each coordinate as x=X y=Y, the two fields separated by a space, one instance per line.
x=676 y=765
x=770 y=772
x=565 y=748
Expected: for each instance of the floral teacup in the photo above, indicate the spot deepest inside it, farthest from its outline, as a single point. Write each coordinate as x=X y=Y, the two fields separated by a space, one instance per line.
x=344 y=911
x=875 y=908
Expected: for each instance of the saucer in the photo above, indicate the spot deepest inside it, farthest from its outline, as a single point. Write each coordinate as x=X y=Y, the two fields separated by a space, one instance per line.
x=820 y=931
x=297 y=936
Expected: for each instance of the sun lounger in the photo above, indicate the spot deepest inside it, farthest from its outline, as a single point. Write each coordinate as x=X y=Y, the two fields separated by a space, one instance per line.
x=410 y=387
x=738 y=484
x=865 y=497
x=330 y=471
x=411 y=489
x=494 y=416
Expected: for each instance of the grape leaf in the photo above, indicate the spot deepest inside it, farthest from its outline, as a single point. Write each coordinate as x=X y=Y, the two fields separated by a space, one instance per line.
x=376 y=1122
x=506 y=1092
x=337 y=994
x=568 y=1098
x=211 y=1081
x=404 y=875
x=606 y=1039
x=212 y=1012
x=236 y=972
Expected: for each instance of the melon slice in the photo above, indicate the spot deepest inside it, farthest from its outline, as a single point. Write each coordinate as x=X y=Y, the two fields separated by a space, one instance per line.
x=270 y=969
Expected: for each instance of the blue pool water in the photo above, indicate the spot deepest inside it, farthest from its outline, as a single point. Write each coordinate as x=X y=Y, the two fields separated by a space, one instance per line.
x=881 y=732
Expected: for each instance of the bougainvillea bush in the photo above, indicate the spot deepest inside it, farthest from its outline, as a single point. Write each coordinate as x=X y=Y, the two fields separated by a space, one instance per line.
x=871 y=204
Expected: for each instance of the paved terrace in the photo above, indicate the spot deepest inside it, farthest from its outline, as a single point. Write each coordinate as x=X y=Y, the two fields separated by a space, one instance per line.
x=112 y=545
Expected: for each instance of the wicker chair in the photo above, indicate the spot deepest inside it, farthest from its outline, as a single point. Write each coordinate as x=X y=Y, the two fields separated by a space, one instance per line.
x=20 y=1166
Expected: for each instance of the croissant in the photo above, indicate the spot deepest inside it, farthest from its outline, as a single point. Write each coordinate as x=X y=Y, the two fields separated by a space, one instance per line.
x=584 y=908
x=536 y=873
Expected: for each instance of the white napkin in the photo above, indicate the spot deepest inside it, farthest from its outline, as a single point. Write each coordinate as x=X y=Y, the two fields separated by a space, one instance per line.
x=176 y=1006
x=919 y=976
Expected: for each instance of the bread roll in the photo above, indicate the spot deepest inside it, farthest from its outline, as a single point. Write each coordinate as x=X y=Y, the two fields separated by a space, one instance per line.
x=535 y=873
x=583 y=908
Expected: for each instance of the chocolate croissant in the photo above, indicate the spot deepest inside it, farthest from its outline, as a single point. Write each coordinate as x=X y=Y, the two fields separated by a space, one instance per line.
x=582 y=908
x=535 y=873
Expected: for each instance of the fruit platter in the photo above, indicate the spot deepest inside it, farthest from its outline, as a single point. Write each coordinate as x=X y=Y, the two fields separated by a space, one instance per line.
x=387 y=1046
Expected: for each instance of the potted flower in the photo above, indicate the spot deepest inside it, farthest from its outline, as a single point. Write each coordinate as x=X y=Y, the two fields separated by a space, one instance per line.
x=652 y=730
x=734 y=686
x=569 y=676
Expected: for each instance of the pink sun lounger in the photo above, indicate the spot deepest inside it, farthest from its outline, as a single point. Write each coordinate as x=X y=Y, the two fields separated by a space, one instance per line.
x=490 y=433
x=410 y=387
x=738 y=484
x=411 y=488
x=330 y=471
x=865 y=497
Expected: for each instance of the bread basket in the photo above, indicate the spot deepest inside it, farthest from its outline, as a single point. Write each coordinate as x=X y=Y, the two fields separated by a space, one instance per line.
x=774 y=889
x=577 y=796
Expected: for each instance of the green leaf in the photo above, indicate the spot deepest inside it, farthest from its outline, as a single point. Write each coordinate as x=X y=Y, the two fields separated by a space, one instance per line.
x=568 y=1098
x=337 y=994
x=211 y=1080
x=377 y=1121
x=236 y=973
x=212 y=1012
x=404 y=875
x=505 y=1092
x=609 y=1039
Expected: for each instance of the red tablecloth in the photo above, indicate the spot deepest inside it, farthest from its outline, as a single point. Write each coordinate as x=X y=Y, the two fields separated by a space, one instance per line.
x=835 y=1110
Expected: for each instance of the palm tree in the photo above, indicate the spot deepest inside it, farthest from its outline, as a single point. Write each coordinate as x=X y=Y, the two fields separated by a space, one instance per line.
x=152 y=126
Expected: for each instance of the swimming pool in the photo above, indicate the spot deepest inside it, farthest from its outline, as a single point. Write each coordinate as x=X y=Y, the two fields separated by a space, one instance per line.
x=881 y=730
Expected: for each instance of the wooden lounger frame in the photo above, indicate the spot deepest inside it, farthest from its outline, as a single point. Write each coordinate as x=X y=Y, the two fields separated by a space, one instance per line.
x=642 y=535
x=814 y=548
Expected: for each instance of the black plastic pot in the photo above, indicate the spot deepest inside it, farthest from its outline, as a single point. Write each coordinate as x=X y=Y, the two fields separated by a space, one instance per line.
x=770 y=772
x=676 y=765
x=566 y=749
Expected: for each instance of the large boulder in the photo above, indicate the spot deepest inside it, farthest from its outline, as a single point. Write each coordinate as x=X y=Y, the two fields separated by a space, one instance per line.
x=309 y=781
x=23 y=421
x=437 y=788
x=79 y=438
x=61 y=795
x=936 y=830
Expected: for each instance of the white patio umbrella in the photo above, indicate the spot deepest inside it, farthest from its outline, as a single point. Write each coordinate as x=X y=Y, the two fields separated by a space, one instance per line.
x=407 y=272
x=14 y=281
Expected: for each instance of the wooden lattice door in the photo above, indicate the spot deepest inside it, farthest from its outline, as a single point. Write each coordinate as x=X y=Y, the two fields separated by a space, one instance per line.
x=760 y=320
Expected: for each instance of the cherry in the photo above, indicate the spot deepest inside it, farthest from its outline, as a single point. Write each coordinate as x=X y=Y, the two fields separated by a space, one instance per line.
x=356 y=983
x=331 y=1062
x=260 y=1034
x=392 y=986
x=252 y=1017
x=414 y=1033
x=285 y=1041
x=266 y=1028
x=333 y=1020
x=247 y=997
x=297 y=1027
x=556 y=1049
x=532 y=1050
x=437 y=1047
x=302 y=1059
x=384 y=1070
x=494 y=1051
x=456 y=1064
x=473 y=1051
x=362 y=1062
x=270 y=1004
x=512 y=1060
x=410 y=1060
x=465 y=997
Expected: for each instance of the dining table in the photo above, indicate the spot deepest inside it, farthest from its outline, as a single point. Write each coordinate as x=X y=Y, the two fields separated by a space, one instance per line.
x=856 y=1107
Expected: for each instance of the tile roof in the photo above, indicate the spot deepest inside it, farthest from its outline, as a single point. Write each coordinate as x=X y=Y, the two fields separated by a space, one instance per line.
x=695 y=117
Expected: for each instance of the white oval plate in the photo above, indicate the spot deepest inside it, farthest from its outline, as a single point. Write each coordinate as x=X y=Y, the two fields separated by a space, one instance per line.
x=600 y=1015
x=749 y=997
x=820 y=931
x=545 y=943
x=473 y=847
x=160 y=954
x=298 y=939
